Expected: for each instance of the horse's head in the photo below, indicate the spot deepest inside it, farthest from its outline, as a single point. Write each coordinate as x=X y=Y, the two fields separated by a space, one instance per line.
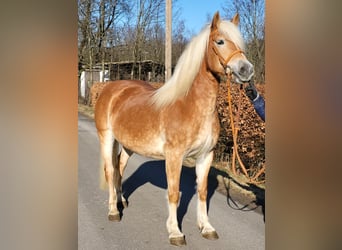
x=226 y=50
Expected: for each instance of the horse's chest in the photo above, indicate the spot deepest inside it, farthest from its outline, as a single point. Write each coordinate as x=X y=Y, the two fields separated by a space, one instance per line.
x=205 y=138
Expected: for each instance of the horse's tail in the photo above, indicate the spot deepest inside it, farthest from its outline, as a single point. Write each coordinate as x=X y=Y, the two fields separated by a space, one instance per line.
x=115 y=161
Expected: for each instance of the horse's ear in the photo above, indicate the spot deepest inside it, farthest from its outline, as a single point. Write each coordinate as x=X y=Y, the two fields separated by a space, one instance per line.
x=236 y=19
x=215 y=21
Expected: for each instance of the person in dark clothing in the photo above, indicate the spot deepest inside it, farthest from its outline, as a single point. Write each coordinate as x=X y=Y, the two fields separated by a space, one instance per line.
x=257 y=100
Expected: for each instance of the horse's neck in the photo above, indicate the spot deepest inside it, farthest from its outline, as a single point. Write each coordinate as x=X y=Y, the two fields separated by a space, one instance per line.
x=204 y=90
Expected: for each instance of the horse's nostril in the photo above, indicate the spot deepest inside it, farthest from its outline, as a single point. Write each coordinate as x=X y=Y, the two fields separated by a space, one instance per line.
x=242 y=70
x=245 y=69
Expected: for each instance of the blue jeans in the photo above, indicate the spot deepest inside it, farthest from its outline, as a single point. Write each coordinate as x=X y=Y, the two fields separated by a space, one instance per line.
x=259 y=106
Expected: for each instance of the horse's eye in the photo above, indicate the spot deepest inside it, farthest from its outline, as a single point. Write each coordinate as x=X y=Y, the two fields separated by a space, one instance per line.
x=220 y=42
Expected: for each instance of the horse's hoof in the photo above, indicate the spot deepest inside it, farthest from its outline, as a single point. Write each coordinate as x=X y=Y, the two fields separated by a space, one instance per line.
x=124 y=204
x=114 y=217
x=210 y=235
x=178 y=241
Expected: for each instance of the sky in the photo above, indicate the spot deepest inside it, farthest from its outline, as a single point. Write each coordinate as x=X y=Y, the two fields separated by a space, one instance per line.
x=194 y=12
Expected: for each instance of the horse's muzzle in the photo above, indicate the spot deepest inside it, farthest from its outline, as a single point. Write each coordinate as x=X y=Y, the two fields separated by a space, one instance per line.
x=242 y=71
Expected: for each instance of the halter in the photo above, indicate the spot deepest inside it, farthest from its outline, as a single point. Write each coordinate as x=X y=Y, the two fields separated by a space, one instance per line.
x=223 y=61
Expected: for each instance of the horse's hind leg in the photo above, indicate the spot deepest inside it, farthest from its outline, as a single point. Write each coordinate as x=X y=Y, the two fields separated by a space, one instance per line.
x=118 y=174
x=202 y=170
x=107 y=143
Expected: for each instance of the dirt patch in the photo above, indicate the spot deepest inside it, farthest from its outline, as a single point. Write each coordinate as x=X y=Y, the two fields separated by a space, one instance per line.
x=240 y=194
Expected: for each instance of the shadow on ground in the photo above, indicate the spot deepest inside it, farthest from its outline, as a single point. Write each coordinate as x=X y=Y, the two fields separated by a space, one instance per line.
x=154 y=172
x=240 y=196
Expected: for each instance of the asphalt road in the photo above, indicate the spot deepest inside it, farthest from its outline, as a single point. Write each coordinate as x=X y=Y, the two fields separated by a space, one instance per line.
x=143 y=225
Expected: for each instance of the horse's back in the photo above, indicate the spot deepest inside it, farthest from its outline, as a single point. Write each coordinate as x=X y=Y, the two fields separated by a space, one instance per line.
x=114 y=93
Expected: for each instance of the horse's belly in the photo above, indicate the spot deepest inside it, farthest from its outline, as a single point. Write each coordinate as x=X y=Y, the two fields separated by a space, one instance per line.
x=146 y=146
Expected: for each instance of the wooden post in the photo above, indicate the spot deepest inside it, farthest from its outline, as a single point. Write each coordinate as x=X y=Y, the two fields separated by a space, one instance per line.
x=168 y=36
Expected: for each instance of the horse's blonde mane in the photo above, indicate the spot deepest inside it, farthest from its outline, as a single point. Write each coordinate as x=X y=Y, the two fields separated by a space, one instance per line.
x=189 y=63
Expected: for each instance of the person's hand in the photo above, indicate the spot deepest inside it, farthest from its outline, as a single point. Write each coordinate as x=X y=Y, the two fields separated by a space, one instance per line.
x=251 y=91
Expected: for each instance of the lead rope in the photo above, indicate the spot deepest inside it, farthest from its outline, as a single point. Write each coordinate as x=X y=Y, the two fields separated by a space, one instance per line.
x=235 y=130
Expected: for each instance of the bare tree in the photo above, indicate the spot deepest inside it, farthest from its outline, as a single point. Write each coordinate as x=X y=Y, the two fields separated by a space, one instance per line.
x=148 y=14
x=126 y=30
x=96 y=18
x=85 y=33
x=85 y=37
x=108 y=12
x=179 y=40
x=97 y=21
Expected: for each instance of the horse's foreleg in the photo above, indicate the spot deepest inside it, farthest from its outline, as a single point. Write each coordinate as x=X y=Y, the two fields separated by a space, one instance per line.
x=107 y=140
x=173 y=171
x=202 y=170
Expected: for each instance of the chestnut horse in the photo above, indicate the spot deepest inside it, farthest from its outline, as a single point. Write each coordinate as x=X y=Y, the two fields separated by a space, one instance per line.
x=176 y=122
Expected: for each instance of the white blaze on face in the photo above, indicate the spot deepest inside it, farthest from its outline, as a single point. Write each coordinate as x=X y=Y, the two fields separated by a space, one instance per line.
x=241 y=69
